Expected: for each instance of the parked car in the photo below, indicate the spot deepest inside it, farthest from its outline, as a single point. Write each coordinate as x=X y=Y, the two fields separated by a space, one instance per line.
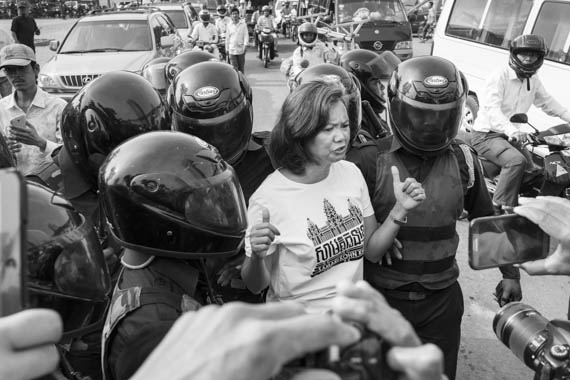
x=107 y=41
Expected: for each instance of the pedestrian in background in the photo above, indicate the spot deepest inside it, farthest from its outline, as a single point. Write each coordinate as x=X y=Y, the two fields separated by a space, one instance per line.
x=5 y=86
x=24 y=26
x=237 y=39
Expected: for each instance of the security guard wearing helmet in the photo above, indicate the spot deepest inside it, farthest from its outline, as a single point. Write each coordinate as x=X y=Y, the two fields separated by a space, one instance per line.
x=511 y=90
x=311 y=51
x=173 y=203
x=213 y=101
x=66 y=271
x=109 y=110
x=426 y=96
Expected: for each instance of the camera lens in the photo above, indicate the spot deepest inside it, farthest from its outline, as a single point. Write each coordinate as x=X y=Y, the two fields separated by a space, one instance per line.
x=523 y=329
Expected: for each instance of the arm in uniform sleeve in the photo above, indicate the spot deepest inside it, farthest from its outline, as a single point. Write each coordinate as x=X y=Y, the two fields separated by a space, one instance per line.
x=477 y=202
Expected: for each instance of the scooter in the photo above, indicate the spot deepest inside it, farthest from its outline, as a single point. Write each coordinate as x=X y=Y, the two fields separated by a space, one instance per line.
x=550 y=151
x=266 y=40
x=222 y=48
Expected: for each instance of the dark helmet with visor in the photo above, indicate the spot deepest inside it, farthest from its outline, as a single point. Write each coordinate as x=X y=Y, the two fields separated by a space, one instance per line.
x=66 y=269
x=213 y=101
x=186 y=59
x=527 y=43
x=336 y=74
x=370 y=68
x=426 y=96
x=204 y=15
x=107 y=111
x=154 y=73
x=170 y=194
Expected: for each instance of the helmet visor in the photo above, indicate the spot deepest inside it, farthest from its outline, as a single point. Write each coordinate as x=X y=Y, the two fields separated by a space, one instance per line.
x=70 y=263
x=229 y=133
x=211 y=202
x=426 y=127
x=156 y=75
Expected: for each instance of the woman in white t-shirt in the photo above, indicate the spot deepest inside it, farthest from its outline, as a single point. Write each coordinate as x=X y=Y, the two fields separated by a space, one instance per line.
x=311 y=219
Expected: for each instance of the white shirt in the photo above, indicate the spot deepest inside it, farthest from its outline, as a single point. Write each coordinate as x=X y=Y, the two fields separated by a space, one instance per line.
x=222 y=24
x=506 y=95
x=5 y=39
x=322 y=233
x=318 y=54
x=266 y=22
x=237 y=38
x=205 y=33
x=45 y=114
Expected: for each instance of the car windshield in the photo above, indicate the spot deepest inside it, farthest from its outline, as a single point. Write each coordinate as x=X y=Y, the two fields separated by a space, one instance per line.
x=109 y=35
x=178 y=18
x=358 y=10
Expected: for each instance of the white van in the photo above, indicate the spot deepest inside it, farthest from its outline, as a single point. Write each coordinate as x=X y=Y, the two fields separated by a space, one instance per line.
x=475 y=35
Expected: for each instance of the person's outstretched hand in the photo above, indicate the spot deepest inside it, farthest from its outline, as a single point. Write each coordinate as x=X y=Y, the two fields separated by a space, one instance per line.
x=241 y=341
x=552 y=214
x=27 y=344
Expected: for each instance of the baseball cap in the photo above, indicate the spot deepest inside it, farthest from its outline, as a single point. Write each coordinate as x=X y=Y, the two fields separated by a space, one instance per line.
x=22 y=4
x=16 y=55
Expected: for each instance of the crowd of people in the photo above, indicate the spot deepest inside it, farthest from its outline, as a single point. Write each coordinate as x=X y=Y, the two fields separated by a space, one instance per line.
x=317 y=236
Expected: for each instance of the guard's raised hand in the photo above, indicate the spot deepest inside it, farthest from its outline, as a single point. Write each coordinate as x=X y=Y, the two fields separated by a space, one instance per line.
x=408 y=193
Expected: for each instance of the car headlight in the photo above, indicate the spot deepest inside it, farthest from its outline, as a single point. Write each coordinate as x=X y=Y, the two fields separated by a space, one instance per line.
x=46 y=81
x=403 y=45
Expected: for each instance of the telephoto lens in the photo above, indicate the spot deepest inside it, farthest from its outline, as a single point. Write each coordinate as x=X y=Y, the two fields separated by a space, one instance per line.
x=522 y=329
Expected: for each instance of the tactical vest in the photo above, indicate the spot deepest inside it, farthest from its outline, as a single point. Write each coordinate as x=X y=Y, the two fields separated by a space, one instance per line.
x=126 y=301
x=429 y=237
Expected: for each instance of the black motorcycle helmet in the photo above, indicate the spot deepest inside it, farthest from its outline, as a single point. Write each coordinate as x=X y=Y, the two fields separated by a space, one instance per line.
x=328 y=71
x=369 y=68
x=426 y=96
x=154 y=72
x=170 y=194
x=107 y=111
x=527 y=43
x=213 y=101
x=204 y=15
x=66 y=269
x=184 y=60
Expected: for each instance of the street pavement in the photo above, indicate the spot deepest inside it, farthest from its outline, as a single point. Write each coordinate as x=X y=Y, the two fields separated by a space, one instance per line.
x=481 y=356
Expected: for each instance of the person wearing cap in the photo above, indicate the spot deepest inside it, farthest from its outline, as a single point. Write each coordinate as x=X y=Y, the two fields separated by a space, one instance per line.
x=33 y=141
x=24 y=26
x=5 y=86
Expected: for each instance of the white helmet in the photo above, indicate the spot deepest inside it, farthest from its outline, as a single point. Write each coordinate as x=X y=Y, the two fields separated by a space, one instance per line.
x=308 y=34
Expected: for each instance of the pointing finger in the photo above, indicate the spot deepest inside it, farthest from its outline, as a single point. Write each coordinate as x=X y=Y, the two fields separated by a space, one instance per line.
x=396 y=175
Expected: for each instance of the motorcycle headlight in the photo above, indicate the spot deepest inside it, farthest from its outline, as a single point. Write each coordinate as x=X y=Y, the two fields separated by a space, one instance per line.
x=403 y=45
x=46 y=81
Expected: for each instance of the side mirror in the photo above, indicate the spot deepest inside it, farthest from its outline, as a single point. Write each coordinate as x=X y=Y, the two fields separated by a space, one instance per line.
x=520 y=118
x=167 y=41
x=53 y=45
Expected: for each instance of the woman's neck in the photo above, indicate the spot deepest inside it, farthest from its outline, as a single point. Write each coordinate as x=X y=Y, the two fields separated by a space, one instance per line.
x=314 y=173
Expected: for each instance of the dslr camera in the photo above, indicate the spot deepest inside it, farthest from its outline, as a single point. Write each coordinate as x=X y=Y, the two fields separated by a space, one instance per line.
x=543 y=345
x=363 y=360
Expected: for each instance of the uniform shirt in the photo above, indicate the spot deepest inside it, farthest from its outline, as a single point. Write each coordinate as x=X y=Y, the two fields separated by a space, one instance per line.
x=266 y=22
x=506 y=95
x=237 y=38
x=204 y=33
x=322 y=233
x=222 y=24
x=315 y=55
x=45 y=114
x=25 y=28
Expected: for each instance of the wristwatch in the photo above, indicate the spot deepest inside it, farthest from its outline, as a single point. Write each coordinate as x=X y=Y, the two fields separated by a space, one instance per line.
x=399 y=222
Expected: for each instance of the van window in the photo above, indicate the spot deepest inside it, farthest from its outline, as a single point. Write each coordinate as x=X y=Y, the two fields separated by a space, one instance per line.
x=364 y=10
x=553 y=23
x=492 y=22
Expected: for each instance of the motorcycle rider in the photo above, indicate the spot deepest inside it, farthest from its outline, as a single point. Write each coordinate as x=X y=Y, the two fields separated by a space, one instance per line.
x=426 y=96
x=206 y=32
x=173 y=203
x=66 y=272
x=511 y=90
x=266 y=20
x=286 y=11
x=225 y=121
x=311 y=51
x=222 y=26
x=109 y=110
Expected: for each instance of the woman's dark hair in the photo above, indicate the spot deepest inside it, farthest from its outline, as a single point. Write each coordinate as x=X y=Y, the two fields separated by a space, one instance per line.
x=303 y=115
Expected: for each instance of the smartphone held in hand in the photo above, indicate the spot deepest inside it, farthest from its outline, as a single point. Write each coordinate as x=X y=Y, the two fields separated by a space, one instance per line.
x=506 y=239
x=19 y=121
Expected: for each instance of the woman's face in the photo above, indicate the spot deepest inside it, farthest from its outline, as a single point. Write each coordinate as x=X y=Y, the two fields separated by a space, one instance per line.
x=331 y=143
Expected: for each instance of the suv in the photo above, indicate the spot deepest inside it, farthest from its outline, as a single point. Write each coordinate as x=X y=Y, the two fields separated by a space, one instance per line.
x=180 y=16
x=107 y=41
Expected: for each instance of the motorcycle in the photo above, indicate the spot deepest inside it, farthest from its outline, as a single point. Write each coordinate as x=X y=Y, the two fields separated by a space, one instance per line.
x=286 y=26
x=550 y=152
x=222 y=48
x=205 y=46
x=266 y=40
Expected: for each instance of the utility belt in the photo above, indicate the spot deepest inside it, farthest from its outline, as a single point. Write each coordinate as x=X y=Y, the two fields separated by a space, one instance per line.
x=410 y=292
